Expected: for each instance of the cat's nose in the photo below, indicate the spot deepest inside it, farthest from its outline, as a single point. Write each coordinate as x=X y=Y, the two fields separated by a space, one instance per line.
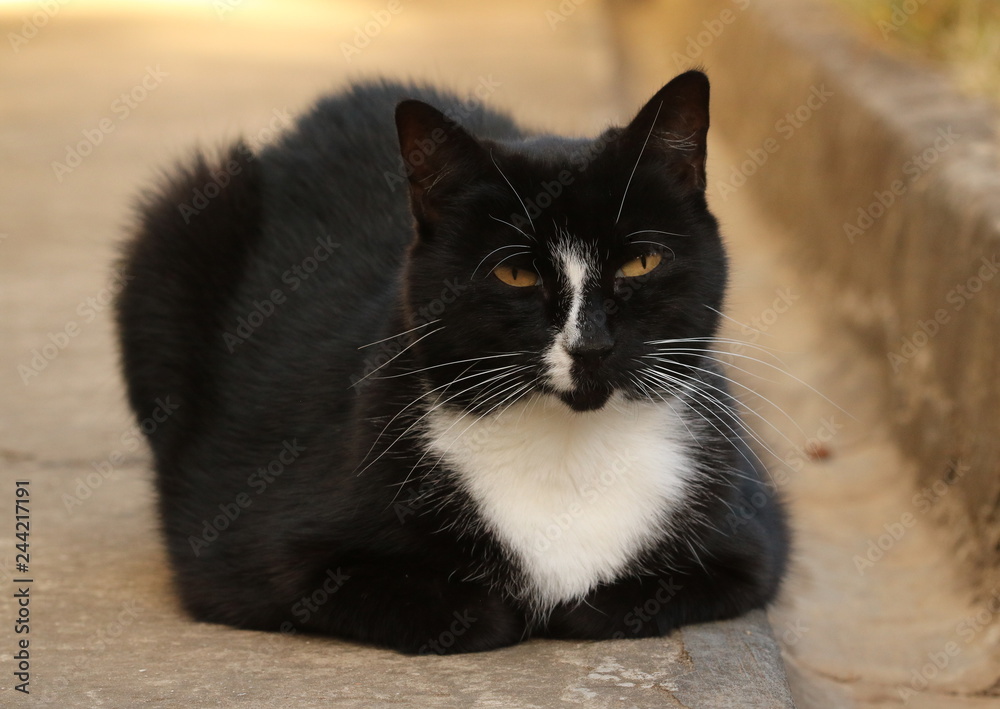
x=593 y=345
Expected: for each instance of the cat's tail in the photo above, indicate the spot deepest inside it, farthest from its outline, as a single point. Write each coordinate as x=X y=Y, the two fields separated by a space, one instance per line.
x=181 y=269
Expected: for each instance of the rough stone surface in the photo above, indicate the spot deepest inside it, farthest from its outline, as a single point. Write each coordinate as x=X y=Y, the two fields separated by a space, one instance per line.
x=106 y=630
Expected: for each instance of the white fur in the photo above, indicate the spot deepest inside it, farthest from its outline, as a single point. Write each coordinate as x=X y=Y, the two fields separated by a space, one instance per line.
x=575 y=269
x=574 y=496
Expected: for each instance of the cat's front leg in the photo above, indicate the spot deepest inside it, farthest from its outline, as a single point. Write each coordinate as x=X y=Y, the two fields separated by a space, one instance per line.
x=639 y=608
x=646 y=606
x=416 y=610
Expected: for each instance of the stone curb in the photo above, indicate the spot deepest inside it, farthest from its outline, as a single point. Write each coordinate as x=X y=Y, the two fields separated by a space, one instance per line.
x=889 y=179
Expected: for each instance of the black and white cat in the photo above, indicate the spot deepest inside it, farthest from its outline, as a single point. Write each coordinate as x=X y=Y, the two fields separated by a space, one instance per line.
x=453 y=401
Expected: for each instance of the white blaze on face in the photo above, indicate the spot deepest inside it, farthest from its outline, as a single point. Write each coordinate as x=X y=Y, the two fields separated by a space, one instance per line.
x=575 y=267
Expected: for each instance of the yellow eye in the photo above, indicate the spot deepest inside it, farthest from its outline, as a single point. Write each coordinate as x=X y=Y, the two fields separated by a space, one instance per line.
x=517 y=277
x=639 y=266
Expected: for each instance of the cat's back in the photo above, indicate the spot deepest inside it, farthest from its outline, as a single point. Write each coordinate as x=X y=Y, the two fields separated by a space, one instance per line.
x=255 y=275
x=340 y=169
x=335 y=186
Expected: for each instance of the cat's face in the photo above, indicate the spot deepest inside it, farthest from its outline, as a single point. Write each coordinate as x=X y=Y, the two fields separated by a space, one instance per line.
x=562 y=266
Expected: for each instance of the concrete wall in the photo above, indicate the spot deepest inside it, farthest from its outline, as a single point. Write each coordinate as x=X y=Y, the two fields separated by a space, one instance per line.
x=891 y=180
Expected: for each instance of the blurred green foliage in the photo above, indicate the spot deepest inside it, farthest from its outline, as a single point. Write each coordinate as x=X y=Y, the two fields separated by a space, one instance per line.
x=964 y=34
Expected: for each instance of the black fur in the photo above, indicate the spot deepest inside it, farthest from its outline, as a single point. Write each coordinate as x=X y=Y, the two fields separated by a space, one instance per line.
x=283 y=448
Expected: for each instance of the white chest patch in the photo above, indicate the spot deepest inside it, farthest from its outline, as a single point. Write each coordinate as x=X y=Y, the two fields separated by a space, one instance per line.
x=574 y=496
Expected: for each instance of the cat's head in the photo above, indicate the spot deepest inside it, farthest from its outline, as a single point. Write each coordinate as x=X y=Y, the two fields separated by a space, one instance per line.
x=580 y=268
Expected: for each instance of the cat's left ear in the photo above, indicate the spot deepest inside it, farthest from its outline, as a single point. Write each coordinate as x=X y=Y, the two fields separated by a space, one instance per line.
x=673 y=127
x=438 y=155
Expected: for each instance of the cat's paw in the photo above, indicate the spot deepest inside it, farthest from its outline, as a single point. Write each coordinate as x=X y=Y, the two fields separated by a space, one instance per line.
x=484 y=622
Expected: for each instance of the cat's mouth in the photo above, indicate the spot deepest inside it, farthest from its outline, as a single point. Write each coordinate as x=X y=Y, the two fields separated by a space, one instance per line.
x=588 y=398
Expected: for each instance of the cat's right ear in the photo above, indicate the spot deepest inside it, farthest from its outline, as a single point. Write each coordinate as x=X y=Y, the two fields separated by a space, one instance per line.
x=437 y=155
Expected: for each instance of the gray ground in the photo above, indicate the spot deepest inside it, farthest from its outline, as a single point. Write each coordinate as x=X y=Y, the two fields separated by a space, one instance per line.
x=106 y=630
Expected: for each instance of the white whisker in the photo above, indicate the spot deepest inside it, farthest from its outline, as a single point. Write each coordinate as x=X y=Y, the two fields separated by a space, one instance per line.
x=720 y=407
x=661 y=246
x=634 y=167
x=500 y=248
x=723 y=410
x=650 y=392
x=766 y=364
x=427 y=334
x=460 y=361
x=436 y=406
x=735 y=399
x=734 y=320
x=715 y=339
x=519 y=387
x=653 y=231
x=526 y=236
x=513 y=190
x=404 y=332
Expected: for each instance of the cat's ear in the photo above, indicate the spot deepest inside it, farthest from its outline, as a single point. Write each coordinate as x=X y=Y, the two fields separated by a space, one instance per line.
x=437 y=154
x=672 y=127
